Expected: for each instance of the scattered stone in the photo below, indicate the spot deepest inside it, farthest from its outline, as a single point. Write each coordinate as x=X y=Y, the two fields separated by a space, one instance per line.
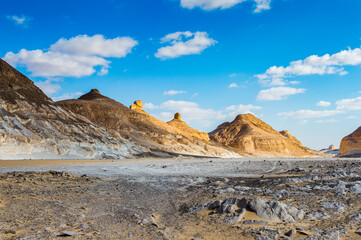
x=150 y=220
x=236 y=218
x=317 y=215
x=334 y=205
x=275 y=210
x=290 y=233
x=256 y=222
x=69 y=234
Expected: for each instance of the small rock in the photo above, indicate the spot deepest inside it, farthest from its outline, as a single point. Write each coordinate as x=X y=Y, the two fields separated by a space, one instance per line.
x=290 y=233
x=69 y=234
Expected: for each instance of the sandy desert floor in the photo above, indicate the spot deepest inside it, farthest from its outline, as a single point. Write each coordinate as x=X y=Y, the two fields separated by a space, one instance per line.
x=166 y=198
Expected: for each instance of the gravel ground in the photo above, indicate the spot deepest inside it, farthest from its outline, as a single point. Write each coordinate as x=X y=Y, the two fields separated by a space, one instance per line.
x=155 y=198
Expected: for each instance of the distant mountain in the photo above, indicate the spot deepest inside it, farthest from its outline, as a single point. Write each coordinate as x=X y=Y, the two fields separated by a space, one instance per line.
x=331 y=151
x=351 y=145
x=249 y=135
x=32 y=126
x=133 y=123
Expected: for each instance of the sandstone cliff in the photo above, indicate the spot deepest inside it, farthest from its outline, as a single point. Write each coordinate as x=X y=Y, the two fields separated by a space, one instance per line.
x=33 y=127
x=135 y=124
x=351 y=145
x=250 y=135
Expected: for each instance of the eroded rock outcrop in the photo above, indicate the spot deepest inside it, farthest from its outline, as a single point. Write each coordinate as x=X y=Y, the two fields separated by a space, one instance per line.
x=137 y=106
x=33 y=127
x=135 y=124
x=250 y=135
x=182 y=126
x=351 y=145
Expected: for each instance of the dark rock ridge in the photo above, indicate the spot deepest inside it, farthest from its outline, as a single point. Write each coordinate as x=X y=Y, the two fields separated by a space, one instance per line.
x=137 y=125
x=33 y=127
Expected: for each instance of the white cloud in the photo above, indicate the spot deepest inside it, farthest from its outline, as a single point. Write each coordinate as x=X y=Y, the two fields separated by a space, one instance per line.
x=241 y=109
x=184 y=43
x=20 y=20
x=351 y=117
x=304 y=114
x=173 y=92
x=76 y=57
x=349 y=104
x=323 y=104
x=49 y=64
x=209 y=5
x=192 y=113
x=233 y=85
x=96 y=45
x=278 y=93
x=327 y=121
x=232 y=75
x=67 y=96
x=48 y=86
x=320 y=65
x=262 y=5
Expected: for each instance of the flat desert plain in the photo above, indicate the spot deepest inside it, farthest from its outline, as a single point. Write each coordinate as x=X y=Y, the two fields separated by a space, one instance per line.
x=181 y=198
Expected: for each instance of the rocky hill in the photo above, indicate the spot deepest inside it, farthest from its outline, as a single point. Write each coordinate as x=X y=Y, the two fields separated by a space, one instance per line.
x=183 y=127
x=133 y=123
x=249 y=135
x=33 y=127
x=351 y=145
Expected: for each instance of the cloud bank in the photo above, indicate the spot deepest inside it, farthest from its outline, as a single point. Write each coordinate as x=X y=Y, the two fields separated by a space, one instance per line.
x=278 y=93
x=75 y=57
x=209 y=5
x=312 y=65
x=184 y=43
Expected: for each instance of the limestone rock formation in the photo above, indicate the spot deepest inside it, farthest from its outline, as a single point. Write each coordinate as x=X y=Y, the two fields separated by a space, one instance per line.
x=332 y=148
x=179 y=124
x=351 y=145
x=33 y=127
x=250 y=135
x=135 y=124
x=287 y=134
x=331 y=151
x=137 y=106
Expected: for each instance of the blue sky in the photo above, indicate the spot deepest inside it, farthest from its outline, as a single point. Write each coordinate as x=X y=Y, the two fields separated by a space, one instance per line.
x=208 y=59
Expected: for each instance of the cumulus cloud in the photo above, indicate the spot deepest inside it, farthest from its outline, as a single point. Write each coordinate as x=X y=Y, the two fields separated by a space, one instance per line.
x=48 y=86
x=304 y=114
x=323 y=104
x=96 y=45
x=209 y=5
x=173 y=92
x=184 y=43
x=349 y=104
x=192 y=113
x=262 y=5
x=232 y=75
x=67 y=96
x=278 y=93
x=320 y=65
x=76 y=57
x=327 y=121
x=19 y=20
x=233 y=85
x=234 y=110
